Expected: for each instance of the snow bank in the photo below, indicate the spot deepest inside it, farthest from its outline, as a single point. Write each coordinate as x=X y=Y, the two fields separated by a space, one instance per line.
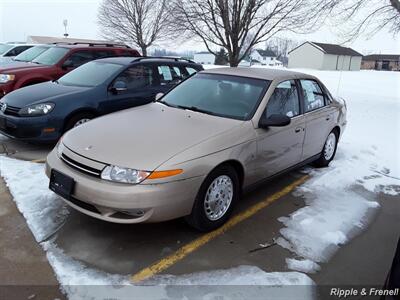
x=44 y=213
x=28 y=185
x=303 y=265
x=368 y=156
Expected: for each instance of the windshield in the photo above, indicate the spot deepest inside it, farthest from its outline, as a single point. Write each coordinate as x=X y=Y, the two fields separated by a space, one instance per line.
x=51 y=56
x=222 y=95
x=90 y=74
x=31 y=53
x=4 y=48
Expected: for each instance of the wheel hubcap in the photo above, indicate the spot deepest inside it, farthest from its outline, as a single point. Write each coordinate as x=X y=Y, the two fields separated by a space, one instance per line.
x=218 y=197
x=330 y=144
x=81 y=121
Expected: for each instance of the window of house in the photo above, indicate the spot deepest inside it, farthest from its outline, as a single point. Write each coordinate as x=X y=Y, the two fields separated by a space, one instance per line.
x=313 y=95
x=284 y=100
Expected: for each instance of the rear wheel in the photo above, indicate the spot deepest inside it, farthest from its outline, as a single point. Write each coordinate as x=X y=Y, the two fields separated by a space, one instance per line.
x=329 y=151
x=78 y=120
x=215 y=199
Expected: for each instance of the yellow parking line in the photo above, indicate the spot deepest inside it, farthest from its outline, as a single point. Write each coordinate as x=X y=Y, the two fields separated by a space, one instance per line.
x=39 y=161
x=185 y=250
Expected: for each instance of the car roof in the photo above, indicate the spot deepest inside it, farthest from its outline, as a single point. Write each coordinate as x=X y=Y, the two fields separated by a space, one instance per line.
x=258 y=73
x=91 y=46
x=130 y=60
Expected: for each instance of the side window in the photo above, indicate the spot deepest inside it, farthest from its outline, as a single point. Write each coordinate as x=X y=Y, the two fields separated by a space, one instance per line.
x=187 y=71
x=190 y=70
x=137 y=77
x=169 y=75
x=313 y=95
x=104 y=53
x=284 y=100
x=80 y=57
x=17 y=50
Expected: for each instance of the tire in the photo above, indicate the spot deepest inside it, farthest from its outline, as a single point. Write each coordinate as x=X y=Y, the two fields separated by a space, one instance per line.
x=329 y=150
x=205 y=216
x=76 y=119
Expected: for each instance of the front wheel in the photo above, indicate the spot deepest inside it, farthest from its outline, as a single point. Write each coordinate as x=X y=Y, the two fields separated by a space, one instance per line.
x=215 y=199
x=329 y=151
x=78 y=120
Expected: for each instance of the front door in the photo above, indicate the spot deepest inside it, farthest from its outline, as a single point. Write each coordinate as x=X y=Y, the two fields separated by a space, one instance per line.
x=279 y=148
x=141 y=88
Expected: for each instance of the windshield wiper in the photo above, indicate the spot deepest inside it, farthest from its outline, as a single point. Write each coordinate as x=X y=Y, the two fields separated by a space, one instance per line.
x=196 y=109
x=166 y=103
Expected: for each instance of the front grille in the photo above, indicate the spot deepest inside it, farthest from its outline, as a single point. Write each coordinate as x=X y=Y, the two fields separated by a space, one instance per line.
x=80 y=167
x=11 y=110
x=84 y=205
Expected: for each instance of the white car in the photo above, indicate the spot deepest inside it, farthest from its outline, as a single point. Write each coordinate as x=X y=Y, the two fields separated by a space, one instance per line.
x=10 y=50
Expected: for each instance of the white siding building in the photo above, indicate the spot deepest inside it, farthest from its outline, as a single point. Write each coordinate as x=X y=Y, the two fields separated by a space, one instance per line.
x=265 y=57
x=321 y=56
x=204 y=58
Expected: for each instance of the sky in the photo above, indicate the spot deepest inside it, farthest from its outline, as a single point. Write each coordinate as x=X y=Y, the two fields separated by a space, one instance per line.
x=21 y=18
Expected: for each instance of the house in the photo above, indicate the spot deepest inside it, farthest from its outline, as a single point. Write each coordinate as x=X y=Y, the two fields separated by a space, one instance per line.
x=264 y=57
x=387 y=62
x=204 y=58
x=322 y=56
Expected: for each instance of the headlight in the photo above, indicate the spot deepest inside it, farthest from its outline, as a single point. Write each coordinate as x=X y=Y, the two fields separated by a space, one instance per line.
x=60 y=147
x=124 y=175
x=37 y=109
x=4 y=78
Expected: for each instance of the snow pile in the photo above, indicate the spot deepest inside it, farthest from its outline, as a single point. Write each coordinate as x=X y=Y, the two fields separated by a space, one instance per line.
x=368 y=156
x=304 y=265
x=45 y=213
x=28 y=185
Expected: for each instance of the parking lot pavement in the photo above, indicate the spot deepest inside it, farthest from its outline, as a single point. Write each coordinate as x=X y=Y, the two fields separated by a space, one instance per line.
x=25 y=151
x=24 y=272
x=128 y=249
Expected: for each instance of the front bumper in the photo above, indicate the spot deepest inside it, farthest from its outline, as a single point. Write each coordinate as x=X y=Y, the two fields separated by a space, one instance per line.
x=28 y=128
x=122 y=203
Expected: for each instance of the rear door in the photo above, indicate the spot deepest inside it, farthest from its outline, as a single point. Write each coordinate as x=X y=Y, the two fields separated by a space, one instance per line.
x=279 y=148
x=319 y=117
x=141 y=89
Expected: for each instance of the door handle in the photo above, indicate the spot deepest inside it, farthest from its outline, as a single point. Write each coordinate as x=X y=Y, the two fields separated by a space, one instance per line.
x=298 y=129
x=328 y=118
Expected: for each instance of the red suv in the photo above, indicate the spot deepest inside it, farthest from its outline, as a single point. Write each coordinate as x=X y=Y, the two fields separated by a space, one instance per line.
x=55 y=62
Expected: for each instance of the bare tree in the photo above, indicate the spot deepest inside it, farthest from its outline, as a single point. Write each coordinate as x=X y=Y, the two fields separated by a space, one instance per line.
x=239 y=25
x=140 y=22
x=281 y=46
x=356 y=17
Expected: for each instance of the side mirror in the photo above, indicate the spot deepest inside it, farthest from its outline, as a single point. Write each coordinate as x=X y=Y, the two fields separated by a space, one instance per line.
x=67 y=64
x=119 y=86
x=158 y=96
x=274 y=121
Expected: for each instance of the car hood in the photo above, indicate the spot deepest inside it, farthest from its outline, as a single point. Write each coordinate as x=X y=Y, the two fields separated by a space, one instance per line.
x=21 y=66
x=41 y=92
x=144 y=137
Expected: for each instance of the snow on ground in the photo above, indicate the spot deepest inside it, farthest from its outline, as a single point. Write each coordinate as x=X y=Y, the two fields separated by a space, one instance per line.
x=303 y=265
x=45 y=213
